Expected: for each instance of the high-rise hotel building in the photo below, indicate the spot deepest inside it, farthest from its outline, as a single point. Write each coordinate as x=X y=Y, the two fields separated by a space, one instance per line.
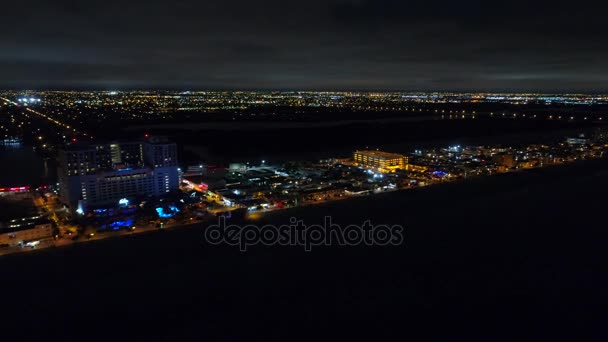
x=383 y=161
x=98 y=175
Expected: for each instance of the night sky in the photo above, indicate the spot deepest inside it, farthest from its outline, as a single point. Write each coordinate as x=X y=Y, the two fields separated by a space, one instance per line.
x=313 y=44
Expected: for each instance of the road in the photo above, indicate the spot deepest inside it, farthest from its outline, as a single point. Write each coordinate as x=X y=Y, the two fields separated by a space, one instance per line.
x=60 y=124
x=68 y=240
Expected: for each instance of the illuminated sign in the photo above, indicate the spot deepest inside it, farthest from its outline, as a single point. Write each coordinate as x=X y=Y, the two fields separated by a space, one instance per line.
x=15 y=189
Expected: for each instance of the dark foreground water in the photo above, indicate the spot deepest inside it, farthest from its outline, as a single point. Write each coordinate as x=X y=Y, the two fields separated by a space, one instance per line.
x=514 y=257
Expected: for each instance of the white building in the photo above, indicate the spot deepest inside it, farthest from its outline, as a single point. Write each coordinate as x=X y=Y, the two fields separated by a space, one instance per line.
x=103 y=174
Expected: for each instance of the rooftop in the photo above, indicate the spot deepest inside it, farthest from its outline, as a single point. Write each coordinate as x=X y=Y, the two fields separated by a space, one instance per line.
x=91 y=145
x=16 y=209
x=382 y=154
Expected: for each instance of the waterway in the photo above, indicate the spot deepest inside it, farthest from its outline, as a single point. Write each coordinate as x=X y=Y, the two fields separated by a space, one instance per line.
x=20 y=165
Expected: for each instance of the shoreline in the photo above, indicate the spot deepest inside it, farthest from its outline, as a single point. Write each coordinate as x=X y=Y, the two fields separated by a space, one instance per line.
x=266 y=215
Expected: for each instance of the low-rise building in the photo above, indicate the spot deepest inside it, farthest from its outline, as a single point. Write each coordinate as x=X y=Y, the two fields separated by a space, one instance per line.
x=21 y=222
x=322 y=193
x=383 y=161
x=37 y=231
x=504 y=159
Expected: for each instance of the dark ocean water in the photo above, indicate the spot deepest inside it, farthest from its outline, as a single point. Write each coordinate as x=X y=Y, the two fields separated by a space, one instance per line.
x=513 y=257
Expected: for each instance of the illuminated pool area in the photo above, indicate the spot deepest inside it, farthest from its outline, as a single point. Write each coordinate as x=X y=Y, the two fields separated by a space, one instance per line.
x=167 y=212
x=116 y=225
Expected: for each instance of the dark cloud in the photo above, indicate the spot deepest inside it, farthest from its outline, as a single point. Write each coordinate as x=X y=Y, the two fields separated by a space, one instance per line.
x=346 y=44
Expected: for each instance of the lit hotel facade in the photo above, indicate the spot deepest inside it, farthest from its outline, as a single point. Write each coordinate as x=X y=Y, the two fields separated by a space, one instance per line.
x=101 y=175
x=383 y=161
